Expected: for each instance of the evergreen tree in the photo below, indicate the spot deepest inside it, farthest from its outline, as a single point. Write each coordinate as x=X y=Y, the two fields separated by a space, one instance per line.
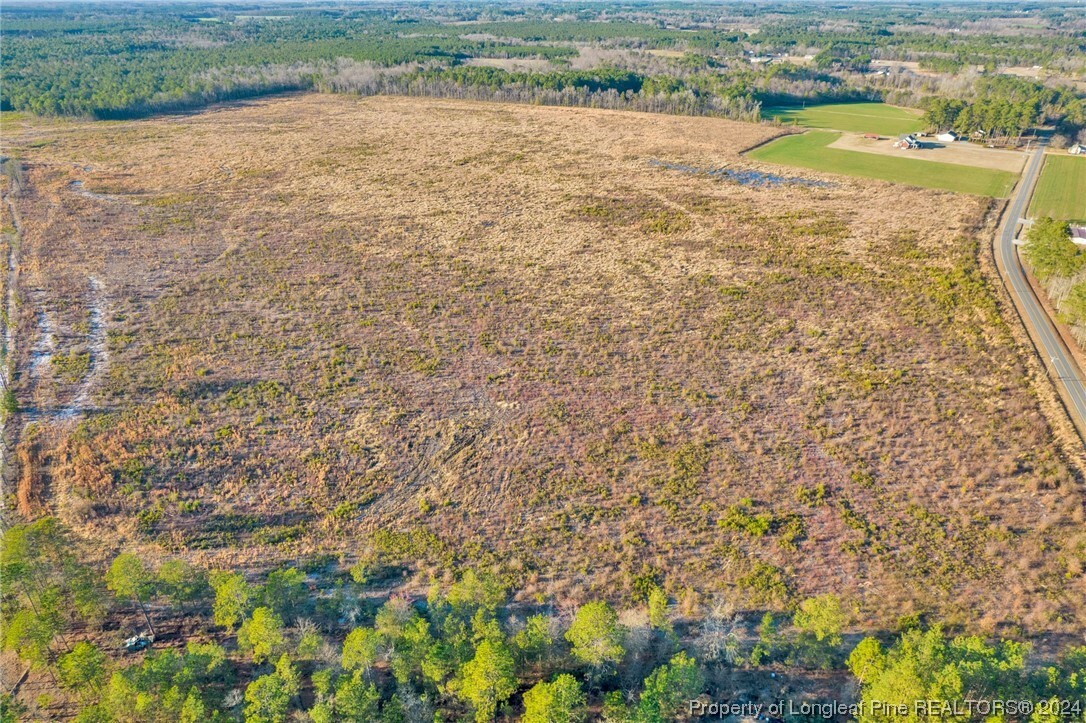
x=669 y=689
x=1051 y=252
x=182 y=583
x=488 y=679
x=262 y=634
x=268 y=698
x=560 y=701
x=284 y=592
x=596 y=635
x=84 y=669
x=232 y=598
x=128 y=577
x=924 y=665
x=360 y=649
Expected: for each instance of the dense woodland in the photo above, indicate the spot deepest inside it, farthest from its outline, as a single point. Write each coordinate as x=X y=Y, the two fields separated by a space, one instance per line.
x=113 y=61
x=322 y=641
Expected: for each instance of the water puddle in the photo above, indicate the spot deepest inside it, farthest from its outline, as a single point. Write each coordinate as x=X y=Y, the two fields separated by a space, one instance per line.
x=744 y=176
x=77 y=186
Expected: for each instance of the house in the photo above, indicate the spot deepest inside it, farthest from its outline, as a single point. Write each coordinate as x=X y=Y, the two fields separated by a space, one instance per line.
x=907 y=142
x=947 y=137
x=1077 y=150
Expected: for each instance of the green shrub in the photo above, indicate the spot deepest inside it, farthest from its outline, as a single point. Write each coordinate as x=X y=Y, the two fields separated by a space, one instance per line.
x=71 y=367
x=739 y=517
x=1051 y=252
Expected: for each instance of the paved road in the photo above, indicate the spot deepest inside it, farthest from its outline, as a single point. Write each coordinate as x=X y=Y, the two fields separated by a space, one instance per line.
x=1057 y=360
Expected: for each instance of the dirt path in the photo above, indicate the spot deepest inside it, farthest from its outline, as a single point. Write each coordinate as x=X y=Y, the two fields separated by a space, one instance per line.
x=8 y=351
x=43 y=350
x=96 y=342
x=42 y=354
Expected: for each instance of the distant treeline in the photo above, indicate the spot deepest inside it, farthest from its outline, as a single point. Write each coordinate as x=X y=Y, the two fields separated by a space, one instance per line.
x=607 y=88
x=109 y=63
x=942 y=41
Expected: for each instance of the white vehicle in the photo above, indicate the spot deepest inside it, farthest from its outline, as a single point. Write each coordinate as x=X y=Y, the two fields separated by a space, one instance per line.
x=138 y=642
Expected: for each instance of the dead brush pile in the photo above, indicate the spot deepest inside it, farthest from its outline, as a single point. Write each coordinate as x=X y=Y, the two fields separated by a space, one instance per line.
x=431 y=331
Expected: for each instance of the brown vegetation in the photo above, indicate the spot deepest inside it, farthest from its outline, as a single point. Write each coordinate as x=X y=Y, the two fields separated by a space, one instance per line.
x=431 y=330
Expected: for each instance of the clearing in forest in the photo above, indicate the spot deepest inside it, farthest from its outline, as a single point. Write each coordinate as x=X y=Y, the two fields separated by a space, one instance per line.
x=853 y=117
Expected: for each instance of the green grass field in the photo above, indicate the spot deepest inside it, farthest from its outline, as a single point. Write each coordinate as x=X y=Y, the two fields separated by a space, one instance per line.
x=855 y=117
x=809 y=151
x=1061 y=190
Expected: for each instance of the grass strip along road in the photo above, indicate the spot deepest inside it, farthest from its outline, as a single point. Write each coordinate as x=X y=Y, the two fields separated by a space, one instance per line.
x=1054 y=355
x=810 y=151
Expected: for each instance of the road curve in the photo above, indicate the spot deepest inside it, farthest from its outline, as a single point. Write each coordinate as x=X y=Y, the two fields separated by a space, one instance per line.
x=1057 y=360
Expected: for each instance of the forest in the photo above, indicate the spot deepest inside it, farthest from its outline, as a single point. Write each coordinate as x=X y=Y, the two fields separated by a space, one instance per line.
x=112 y=61
x=323 y=639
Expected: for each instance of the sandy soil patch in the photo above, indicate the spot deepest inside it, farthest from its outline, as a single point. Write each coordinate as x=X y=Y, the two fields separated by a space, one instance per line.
x=662 y=53
x=513 y=64
x=909 y=65
x=963 y=154
x=1039 y=73
x=1024 y=71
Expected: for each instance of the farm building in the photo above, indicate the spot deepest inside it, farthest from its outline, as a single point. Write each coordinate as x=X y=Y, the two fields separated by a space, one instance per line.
x=947 y=137
x=1078 y=235
x=907 y=142
x=1077 y=150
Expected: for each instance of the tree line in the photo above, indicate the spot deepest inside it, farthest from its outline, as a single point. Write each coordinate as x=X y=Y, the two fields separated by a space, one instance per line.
x=1006 y=106
x=1058 y=263
x=323 y=643
x=101 y=63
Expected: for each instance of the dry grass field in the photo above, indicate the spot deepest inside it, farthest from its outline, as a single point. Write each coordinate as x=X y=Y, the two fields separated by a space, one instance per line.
x=437 y=331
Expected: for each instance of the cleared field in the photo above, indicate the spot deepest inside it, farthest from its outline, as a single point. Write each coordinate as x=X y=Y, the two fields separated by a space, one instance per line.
x=855 y=117
x=961 y=154
x=1061 y=189
x=911 y=66
x=810 y=150
x=445 y=333
x=513 y=65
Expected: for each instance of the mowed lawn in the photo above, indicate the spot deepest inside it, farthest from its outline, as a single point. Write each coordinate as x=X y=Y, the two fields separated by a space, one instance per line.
x=809 y=151
x=854 y=117
x=1061 y=190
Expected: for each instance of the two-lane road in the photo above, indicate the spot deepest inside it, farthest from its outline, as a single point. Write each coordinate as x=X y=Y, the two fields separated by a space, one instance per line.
x=1057 y=360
